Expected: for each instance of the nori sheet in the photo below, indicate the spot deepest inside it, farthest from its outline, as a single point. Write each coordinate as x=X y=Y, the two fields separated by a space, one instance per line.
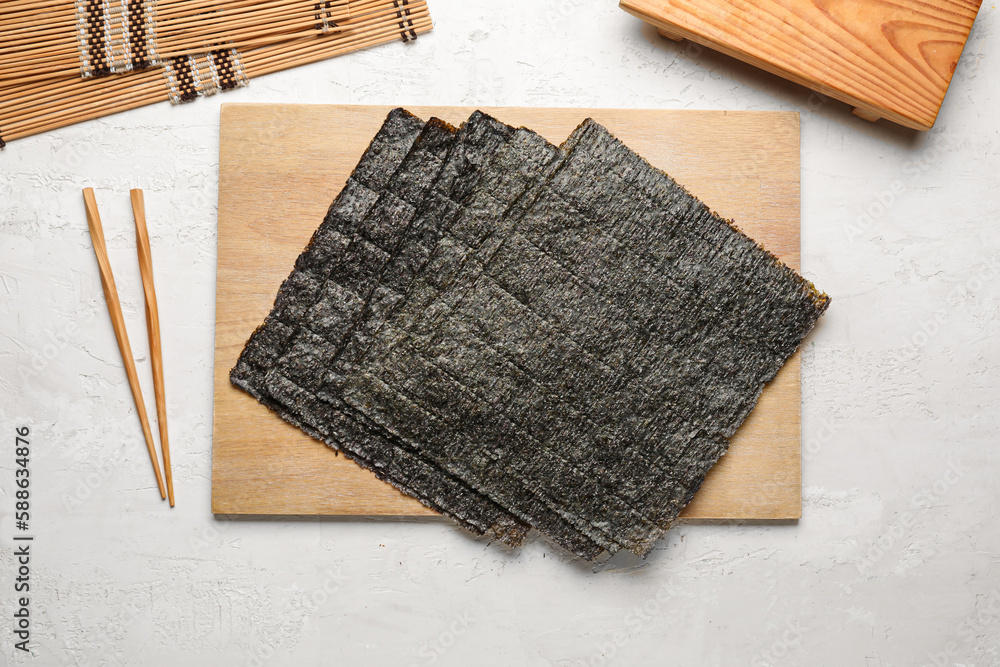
x=475 y=426
x=564 y=336
x=516 y=166
x=519 y=164
x=551 y=351
x=335 y=284
x=296 y=385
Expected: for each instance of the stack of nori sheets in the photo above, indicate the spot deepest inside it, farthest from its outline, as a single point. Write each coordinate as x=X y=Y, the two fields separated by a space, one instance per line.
x=523 y=335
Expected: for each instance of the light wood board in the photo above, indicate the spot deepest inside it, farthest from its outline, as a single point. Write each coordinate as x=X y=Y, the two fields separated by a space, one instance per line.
x=891 y=60
x=280 y=166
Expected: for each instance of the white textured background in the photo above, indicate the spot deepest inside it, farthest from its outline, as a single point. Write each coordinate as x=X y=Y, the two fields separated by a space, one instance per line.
x=895 y=561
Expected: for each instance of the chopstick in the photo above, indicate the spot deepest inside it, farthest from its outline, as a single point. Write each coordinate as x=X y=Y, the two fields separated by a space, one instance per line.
x=152 y=329
x=118 y=322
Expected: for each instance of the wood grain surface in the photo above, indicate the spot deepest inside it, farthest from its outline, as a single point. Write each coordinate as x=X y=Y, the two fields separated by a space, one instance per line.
x=280 y=166
x=890 y=59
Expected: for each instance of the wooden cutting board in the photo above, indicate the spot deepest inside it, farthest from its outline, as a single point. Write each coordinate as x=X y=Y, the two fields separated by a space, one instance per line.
x=888 y=59
x=280 y=166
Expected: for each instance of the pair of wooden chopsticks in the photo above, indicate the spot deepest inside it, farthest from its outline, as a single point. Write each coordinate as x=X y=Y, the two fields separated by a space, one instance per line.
x=152 y=327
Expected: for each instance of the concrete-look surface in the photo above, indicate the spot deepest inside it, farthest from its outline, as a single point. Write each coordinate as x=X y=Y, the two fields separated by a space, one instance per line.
x=895 y=561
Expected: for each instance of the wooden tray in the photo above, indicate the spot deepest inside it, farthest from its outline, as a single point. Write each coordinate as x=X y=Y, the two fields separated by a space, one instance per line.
x=280 y=166
x=889 y=60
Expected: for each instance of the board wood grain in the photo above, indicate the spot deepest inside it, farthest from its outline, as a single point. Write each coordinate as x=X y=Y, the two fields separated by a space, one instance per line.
x=280 y=166
x=888 y=58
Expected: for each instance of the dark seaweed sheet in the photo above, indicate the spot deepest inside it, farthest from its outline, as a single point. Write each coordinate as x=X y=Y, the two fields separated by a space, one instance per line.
x=379 y=162
x=468 y=420
x=525 y=160
x=606 y=377
x=323 y=304
x=312 y=398
x=578 y=349
x=520 y=164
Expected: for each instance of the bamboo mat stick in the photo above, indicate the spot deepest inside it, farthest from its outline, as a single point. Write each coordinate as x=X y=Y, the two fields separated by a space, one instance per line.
x=192 y=40
x=381 y=14
x=174 y=10
x=240 y=30
x=182 y=8
x=34 y=24
x=246 y=37
x=40 y=38
x=85 y=104
x=16 y=11
x=118 y=322
x=53 y=123
x=35 y=19
x=60 y=64
x=283 y=56
x=153 y=330
x=23 y=30
x=43 y=79
x=252 y=14
x=18 y=19
x=20 y=55
x=16 y=15
x=16 y=74
x=246 y=44
x=22 y=51
x=14 y=7
x=72 y=101
x=259 y=64
x=54 y=5
x=263 y=10
x=67 y=87
x=91 y=110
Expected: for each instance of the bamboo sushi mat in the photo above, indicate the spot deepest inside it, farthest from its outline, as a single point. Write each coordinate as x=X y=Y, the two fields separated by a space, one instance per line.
x=69 y=61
